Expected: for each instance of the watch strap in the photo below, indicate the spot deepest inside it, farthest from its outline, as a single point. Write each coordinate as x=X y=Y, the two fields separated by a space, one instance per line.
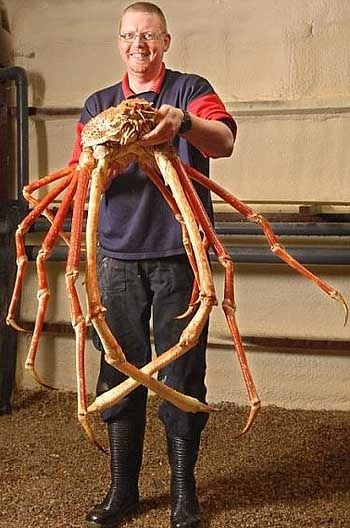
x=186 y=123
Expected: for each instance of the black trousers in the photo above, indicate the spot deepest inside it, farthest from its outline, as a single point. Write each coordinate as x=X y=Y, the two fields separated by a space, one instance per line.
x=132 y=291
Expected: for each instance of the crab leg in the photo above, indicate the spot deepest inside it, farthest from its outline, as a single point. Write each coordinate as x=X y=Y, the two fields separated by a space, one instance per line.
x=153 y=175
x=194 y=300
x=44 y=292
x=28 y=189
x=113 y=351
x=190 y=335
x=22 y=229
x=72 y=273
x=46 y=180
x=228 y=303
x=276 y=247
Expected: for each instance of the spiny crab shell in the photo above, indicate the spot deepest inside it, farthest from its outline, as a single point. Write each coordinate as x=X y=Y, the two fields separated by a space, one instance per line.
x=123 y=124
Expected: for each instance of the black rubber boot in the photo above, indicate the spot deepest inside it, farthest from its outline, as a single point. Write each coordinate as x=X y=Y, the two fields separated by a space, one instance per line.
x=184 y=503
x=122 y=499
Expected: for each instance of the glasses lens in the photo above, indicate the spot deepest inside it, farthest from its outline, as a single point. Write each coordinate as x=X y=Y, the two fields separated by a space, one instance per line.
x=147 y=35
x=128 y=37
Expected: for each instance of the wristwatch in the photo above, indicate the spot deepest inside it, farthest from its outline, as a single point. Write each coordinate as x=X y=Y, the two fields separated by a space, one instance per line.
x=186 y=123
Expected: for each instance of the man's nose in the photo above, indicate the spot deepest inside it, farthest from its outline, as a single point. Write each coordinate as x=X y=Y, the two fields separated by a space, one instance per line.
x=138 y=41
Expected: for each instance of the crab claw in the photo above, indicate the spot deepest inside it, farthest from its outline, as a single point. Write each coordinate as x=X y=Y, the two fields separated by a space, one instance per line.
x=191 y=308
x=337 y=296
x=251 y=418
x=30 y=367
x=12 y=322
x=84 y=422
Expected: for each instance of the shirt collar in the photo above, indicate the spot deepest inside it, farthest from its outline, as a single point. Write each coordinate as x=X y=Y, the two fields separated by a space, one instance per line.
x=155 y=87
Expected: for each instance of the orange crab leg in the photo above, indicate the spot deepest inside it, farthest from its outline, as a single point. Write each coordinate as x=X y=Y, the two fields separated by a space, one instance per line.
x=194 y=300
x=228 y=303
x=154 y=177
x=44 y=292
x=276 y=247
x=191 y=333
x=28 y=189
x=22 y=229
x=77 y=317
x=46 y=180
x=113 y=351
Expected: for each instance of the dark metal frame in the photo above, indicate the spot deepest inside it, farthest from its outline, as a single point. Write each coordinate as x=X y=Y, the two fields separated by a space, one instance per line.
x=19 y=76
x=11 y=213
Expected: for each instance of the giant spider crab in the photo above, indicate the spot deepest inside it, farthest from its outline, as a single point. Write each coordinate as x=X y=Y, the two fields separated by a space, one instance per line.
x=110 y=144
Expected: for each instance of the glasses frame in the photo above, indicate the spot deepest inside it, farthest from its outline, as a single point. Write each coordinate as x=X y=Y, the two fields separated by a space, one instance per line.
x=153 y=36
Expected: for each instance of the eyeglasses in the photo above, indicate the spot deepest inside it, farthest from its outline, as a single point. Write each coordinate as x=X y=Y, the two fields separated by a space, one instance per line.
x=148 y=36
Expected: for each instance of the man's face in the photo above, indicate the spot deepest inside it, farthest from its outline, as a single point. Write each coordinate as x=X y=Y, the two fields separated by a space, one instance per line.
x=140 y=55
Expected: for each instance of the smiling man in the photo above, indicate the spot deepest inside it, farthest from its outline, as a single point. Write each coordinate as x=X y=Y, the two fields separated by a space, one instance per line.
x=143 y=39
x=143 y=268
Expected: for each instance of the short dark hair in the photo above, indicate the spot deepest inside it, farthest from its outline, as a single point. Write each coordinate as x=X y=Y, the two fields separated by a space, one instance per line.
x=146 y=7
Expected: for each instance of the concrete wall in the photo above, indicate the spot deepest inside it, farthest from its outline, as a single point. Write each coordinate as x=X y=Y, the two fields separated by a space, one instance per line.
x=282 y=69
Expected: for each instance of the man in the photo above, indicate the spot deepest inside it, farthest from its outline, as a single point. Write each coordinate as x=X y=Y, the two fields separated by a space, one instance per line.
x=143 y=266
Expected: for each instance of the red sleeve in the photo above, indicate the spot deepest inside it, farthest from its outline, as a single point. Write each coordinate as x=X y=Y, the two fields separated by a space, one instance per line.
x=210 y=107
x=77 y=145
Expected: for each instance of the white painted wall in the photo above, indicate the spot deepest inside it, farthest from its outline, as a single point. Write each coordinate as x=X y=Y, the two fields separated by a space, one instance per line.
x=282 y=68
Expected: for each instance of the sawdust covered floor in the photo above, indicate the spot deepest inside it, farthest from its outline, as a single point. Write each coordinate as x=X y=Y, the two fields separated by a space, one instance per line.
x=291 y=470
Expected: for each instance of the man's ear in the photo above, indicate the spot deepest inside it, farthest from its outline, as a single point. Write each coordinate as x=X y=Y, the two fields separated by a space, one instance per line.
x=167 y=40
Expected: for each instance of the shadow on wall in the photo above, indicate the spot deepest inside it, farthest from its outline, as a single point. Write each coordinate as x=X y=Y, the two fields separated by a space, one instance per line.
x=4 y=22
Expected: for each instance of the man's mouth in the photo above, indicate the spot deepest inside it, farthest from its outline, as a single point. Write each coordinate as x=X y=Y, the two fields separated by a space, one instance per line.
x=139 y=56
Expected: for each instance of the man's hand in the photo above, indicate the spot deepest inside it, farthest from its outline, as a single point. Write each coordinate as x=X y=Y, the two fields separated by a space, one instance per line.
x=170 y=119
x=213 y=138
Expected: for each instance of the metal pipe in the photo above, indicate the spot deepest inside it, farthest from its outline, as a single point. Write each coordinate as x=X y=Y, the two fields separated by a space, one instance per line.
x=243 y=254
x=295 y=343
x=41 y=225
x=305 y=255
x=8 y=345
x=41 y=112
x=285 y=228
x=240 y=228
x=325 y=229
x=247 y=228
x=19 y=75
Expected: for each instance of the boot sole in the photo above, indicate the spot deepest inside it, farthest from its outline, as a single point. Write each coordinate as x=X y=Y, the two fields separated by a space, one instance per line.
x=113 y=524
